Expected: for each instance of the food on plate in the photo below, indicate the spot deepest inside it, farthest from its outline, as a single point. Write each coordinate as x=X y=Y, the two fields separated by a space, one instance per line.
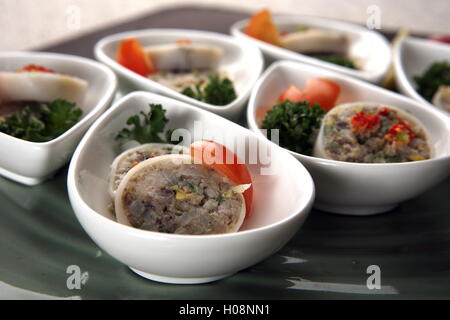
x=203 y=189
x=174 y=195
x=321 y=91
x=38 y=104
x=323 y=44
x=184 y=56
x=312 y=40
x=189 y=68
x=441 y=98
x=215 y=91
x=262 y=28
x=371 y=133
x=308 y=122
x=41 y=122
x=299 y=112
x=227 y=163
x=146 y=127
x=434 y=84
x=298 y=124
x=131 y=55
x=337 y=59
x=37 y=83
x=132 y=157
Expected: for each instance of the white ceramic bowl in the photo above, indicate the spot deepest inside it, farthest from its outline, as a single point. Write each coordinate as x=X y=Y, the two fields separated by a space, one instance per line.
x=281 y=203
x=356 y=188
x=411 y=58
x=31 y=162
x=242 y=61
x=368 y=46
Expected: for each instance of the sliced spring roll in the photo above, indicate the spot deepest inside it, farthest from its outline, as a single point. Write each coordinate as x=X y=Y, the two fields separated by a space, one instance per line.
x=171 y=194
x=315 y=41
x=132 y=157
x=184 y=57
x=41 y=87
x=367 y=132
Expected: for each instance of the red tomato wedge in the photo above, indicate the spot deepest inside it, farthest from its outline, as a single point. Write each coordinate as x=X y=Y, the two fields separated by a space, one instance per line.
x=225 y=162
x=318 y=90
x=131 y=55
x=262 y=28
x=35 y=68
x=292 y=93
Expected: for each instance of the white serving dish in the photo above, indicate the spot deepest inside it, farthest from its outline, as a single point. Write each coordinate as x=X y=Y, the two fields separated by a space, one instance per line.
x=31 y=163
x=242 y=61
x=412 y=57
x=355 y=188
x=367 y=46
x=282 y=199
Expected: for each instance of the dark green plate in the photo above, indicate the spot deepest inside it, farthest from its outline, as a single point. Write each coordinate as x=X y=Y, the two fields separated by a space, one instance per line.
x=44 y=251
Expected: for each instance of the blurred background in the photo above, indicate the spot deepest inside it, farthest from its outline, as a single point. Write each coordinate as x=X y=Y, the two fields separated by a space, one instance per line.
x=30 y=24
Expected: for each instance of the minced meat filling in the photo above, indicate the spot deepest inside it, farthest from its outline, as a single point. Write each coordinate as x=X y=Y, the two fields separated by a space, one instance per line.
x=181 y=198
x=373 y=134
x=134 y=158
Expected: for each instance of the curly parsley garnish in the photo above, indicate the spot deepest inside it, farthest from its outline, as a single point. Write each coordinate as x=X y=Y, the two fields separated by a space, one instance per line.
x=147 y=127
x=297 y=124
x=42 y=122
x=438 y=74
x=218 y=91
x=337 y=59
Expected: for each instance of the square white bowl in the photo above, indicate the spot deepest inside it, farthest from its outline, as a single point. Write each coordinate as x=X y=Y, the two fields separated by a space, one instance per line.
x=242 y=62
x=31 y=163
x=369 y=46
x=411 y=58
x=282 y=198
x=359 y=188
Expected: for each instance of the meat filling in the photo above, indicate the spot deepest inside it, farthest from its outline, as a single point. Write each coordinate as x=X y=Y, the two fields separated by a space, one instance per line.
x=132 y=158
x=373 y=134
x=181 y=198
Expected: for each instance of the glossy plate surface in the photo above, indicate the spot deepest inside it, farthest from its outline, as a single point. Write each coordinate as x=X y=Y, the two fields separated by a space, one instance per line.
x=40 y=238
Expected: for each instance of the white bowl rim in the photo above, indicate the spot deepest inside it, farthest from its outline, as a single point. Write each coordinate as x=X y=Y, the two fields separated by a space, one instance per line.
x=400 y=71
x=75 y=196
x=286 y=63
x=235 y=29
x=112 y=79
x=102 y=57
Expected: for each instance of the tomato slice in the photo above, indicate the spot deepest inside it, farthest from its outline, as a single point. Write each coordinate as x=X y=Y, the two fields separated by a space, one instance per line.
x=318 y=90
x=292 y=93
x=322 y=91
x=262 y=28
x=35 y=68
x=131 y=55
x=225 y=162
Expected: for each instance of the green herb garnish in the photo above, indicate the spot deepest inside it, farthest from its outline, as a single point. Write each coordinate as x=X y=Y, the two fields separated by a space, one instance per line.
x=147 y=127
x=337 y=59
x=218 y=91
x=297 y=123
x=43 y=122
x=438 y=74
